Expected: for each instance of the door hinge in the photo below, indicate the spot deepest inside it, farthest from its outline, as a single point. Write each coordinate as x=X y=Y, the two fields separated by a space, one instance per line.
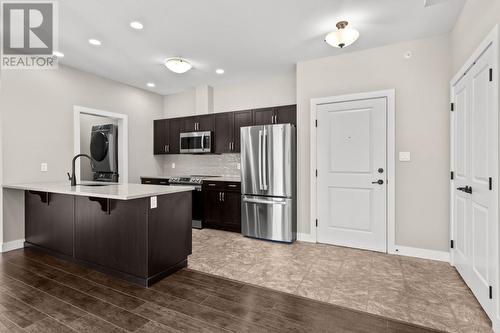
x=491 y=74
x=490 y=184
x=452 y=176
x=491 y=292
x=316 y=173
x=452 y=244
x=316 y=223
x=452 y=107
x=316 y=122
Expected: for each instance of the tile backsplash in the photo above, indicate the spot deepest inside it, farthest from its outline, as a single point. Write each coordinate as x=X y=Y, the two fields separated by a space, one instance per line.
x=217 y=165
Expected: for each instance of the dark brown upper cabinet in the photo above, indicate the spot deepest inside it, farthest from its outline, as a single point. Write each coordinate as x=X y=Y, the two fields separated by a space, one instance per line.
x=227 y=130
x=263 y=116
x=177 y=126
x=276 y=115
x=241 y=119
x=226 y=127
x=199 y=123
x=161 y=142
x=223 y=132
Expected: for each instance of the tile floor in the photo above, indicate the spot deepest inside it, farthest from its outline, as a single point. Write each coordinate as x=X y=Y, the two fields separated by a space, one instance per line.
x=423 y=292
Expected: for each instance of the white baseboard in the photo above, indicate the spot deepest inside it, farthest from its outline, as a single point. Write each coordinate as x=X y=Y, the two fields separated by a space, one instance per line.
x=421 y=253
x=302 y=237
x=13 y=245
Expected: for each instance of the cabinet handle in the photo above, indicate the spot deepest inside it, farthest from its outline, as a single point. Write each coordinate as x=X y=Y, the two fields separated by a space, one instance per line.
x=211 y=184
x=165 y=148
x=147 y=182
x=168 y=148
x=163 y=183
x=223 y=196
x=231 y=185
x=229 y=146
x=220 y=196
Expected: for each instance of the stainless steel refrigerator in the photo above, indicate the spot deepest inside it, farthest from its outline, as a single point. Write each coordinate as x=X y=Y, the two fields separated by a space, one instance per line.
x=268 y=182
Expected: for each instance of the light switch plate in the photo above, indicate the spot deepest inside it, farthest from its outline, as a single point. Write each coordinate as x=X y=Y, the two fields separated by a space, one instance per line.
x=44 y=167
x=173 y=165
x=154 y=202
x=404 y=156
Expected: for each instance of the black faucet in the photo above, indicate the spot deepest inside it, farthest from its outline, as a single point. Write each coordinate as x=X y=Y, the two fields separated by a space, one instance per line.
x=73 y=176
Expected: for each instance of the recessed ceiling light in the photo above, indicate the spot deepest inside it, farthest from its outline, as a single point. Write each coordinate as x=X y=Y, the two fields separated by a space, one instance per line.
x=136 y=25
x=219 y=71
x=151 y=84
x=95 y=42
x=58 y=54
x=178 y=65
x=343 y=36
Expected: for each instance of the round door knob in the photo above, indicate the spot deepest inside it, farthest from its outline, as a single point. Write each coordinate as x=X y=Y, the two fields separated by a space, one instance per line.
x=380 y=170
x=380 y=182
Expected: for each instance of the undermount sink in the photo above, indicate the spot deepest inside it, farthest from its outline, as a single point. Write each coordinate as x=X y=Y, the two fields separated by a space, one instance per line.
x=95 y=184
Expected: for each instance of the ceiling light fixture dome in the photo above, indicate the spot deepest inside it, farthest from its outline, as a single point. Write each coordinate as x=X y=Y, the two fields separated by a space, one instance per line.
x=343 y=36
x=136 y=25
x=178 y=65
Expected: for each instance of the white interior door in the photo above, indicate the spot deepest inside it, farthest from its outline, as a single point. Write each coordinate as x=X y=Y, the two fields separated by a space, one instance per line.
x=352 y=174
x=475 y=163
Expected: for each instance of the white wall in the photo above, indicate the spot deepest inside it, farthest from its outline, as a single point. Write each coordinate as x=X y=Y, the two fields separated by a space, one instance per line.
x=422 y=127
x=271 y=91
x=37 y=111
x=477 y=19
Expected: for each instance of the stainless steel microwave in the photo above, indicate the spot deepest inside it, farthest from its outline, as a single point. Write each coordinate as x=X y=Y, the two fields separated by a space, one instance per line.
x=196 y=142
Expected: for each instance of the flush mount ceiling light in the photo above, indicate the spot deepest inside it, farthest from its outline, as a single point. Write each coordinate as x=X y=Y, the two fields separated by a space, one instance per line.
x=58 y=54
x=219 y=71
x=95 y=42
x=178 y=65
x=151 y=84
x=343 y=36
x=136 y=25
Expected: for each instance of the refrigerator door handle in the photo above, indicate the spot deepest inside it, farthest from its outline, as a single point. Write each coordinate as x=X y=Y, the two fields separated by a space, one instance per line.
x=260 y=160
x=264 y=158
x=267 y=202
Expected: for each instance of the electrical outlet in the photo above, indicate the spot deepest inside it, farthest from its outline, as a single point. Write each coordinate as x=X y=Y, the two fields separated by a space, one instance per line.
x=238 y=166
x=173 y=165
x=44 y=167
x=154 y=202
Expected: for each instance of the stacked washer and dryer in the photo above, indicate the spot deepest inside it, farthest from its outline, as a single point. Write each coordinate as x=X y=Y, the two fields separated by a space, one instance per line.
x=104 y=152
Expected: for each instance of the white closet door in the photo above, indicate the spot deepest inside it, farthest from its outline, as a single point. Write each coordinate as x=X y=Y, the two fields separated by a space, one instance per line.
x=475 y=162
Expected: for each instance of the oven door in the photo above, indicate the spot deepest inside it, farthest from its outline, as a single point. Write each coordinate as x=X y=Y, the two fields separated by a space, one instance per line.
x=196 y=142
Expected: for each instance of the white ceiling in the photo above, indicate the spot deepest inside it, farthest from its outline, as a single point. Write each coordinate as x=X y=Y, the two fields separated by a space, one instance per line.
x=249 y=39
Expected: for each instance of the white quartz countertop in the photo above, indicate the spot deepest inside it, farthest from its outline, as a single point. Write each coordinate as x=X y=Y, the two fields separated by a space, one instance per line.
x=110 y=191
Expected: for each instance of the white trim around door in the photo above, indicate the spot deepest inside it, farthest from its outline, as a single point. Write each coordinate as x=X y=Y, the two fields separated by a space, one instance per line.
x=122 y=120
x=390 y=96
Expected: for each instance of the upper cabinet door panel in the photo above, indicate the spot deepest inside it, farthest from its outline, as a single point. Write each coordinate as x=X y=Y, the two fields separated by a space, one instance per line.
x=286 y=114
x=223 y=132
x=205 y=122
x=241 y=119
x=176 y=127
x=161 y=136
x=263 y=116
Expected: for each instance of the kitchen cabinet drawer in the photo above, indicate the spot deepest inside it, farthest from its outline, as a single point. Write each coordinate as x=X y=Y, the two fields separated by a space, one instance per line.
x=222 y=185
x=154 y=181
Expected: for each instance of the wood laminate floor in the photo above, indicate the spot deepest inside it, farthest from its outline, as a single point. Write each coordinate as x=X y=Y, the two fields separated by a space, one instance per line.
x=40 y=293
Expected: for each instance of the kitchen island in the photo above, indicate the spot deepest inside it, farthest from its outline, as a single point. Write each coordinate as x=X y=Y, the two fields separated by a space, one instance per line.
x=136 y=232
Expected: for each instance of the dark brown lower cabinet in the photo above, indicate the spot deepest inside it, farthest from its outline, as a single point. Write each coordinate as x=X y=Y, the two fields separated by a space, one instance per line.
x=222 y=206
x=49 y=221
x=125 y=238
